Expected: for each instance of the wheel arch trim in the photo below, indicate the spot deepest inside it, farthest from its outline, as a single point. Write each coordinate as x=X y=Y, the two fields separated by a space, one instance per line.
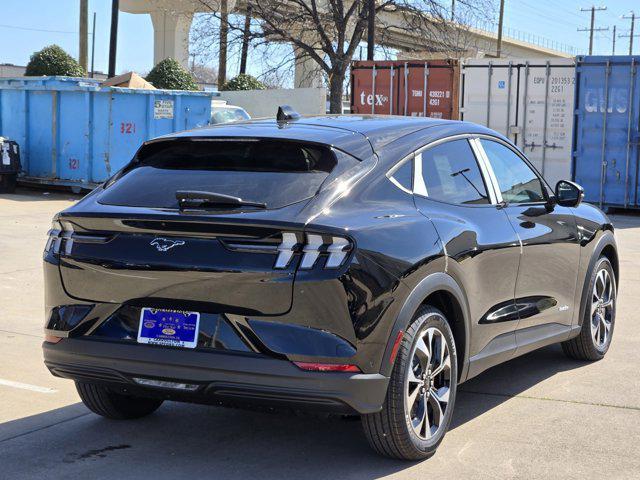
x=607 y=239
x=433 y=283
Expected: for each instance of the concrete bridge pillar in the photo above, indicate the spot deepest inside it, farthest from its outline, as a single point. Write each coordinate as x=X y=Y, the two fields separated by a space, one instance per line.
x=307 y=71
x=171 y=36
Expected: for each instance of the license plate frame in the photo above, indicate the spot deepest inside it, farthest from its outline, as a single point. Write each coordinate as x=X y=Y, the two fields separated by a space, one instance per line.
x=168 y=327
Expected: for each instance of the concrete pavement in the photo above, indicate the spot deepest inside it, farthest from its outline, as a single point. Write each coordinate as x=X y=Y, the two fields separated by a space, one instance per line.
x=538 y=416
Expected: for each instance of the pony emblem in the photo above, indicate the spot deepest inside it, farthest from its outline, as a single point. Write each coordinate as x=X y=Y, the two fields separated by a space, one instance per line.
x=164 y=244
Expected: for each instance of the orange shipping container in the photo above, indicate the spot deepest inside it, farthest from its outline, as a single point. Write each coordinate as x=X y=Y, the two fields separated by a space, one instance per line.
x=418 y=89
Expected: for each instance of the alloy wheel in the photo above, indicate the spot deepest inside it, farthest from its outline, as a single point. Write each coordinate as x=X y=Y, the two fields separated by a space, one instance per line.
x=428 y=382
x=602 y=308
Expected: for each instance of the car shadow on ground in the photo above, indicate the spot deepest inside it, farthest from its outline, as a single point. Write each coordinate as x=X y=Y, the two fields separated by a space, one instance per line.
x=42 y=194
x=185 y=440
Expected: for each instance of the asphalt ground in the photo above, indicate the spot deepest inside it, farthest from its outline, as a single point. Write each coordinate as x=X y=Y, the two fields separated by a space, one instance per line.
x=538 y=416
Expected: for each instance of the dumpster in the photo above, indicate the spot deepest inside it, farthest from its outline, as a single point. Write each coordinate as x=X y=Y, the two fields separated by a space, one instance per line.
x=73 y=131
x=419 y=89
x=607 y=131
x=528 y=101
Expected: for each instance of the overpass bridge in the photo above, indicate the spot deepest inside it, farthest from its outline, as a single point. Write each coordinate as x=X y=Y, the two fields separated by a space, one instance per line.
x=172 y=21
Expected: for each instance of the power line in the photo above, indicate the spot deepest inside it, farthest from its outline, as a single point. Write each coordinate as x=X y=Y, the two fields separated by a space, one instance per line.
x=36 y=29
x=555 y=22
x=537 y=9
x=593 y=9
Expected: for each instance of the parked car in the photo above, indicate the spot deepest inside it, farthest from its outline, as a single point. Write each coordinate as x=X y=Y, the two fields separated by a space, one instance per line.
x=353 y=264
x=221 y=112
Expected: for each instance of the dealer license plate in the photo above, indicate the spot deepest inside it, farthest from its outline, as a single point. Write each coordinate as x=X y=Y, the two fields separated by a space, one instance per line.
x=175 y=328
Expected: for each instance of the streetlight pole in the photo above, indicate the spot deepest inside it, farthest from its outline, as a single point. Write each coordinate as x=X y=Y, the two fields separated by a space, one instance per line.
x=113 y=39
x=93 y=45
x=500 y=23
x=84 y=34
x=371 y=29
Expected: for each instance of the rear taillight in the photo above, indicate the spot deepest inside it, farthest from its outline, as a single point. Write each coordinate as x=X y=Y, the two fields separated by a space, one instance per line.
x=54 y=241
x=335 y=249
x=286 y=249
x=62 y=237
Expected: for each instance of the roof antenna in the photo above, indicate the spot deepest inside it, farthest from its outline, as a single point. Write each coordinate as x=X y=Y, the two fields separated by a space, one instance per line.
x=286 y=113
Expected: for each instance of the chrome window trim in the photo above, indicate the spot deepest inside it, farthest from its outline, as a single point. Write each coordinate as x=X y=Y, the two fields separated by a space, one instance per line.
x=398 y=185
x=419 y=187
x=487 y=170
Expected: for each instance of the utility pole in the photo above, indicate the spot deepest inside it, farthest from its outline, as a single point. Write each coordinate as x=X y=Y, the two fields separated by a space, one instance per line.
x=453 y=10
x=371 y=30
x=93 y=45
x=593 y=9
x=632 y=17
x=113 y=39
x=84 y=34
x=246 y=34
x=224 y=34
x=500 y=23
x=613 y=52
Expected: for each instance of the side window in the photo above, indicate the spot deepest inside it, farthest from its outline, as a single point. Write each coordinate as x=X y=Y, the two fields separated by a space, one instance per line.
x=403 y=176
x=517 y=181
x=451 y=174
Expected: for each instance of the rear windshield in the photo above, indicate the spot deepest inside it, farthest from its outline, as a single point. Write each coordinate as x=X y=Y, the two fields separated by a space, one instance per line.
x=274 y=172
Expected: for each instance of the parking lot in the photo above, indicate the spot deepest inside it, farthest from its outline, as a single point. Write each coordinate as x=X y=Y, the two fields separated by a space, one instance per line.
x=538 y=416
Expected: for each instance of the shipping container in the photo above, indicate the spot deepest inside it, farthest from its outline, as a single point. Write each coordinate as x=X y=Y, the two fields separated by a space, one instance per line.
x=72 y=131
x=418 y=89
x=528 y=101
x=607 y=130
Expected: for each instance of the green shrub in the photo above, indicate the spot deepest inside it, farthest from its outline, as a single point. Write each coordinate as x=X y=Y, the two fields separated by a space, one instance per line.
x=169 y=74
x=53 y=60
x=244 y=82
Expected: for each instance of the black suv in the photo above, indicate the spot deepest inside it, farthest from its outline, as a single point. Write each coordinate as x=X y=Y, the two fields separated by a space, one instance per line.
x=353 y=264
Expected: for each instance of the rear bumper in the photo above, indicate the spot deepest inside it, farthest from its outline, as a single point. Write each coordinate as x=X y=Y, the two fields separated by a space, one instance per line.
x=234 y=378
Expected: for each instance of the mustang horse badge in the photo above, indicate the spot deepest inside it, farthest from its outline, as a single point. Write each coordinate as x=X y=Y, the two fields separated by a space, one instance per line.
x=164 y=244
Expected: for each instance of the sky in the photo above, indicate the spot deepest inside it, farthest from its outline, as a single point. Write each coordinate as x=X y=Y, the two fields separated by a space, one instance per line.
x=29 y=25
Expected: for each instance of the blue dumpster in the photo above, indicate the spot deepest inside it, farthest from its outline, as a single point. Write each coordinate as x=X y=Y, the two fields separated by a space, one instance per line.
x=74 y=132
x=607 y=130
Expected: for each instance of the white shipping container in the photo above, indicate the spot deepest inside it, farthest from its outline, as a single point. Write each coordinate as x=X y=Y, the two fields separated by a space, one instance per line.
x=528 y=101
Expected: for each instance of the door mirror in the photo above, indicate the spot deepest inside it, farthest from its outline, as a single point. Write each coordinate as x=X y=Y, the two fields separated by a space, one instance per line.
x=569 y=194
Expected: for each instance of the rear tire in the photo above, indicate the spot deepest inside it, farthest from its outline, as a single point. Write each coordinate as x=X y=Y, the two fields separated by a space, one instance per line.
x=599 y=317
x=422 y=390
x=116 y=406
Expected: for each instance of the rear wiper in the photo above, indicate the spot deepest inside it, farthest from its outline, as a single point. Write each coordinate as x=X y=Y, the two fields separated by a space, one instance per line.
x=193 y=198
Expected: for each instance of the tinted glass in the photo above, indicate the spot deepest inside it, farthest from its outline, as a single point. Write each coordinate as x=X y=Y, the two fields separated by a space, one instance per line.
x=277 y=173
x=404 y=175
x=451 y=174
x=518 y=182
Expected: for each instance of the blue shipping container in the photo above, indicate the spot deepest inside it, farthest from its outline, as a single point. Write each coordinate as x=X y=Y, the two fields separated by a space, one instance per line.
x=607 y=130
x=74 y=132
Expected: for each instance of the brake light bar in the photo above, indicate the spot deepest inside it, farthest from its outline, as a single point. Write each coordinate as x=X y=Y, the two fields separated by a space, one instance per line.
x=327 y=367
x=286 y=249
x=311 y=251
x=335 y=248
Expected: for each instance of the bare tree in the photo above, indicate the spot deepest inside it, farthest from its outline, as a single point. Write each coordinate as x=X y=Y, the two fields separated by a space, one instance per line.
x=328 y=32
